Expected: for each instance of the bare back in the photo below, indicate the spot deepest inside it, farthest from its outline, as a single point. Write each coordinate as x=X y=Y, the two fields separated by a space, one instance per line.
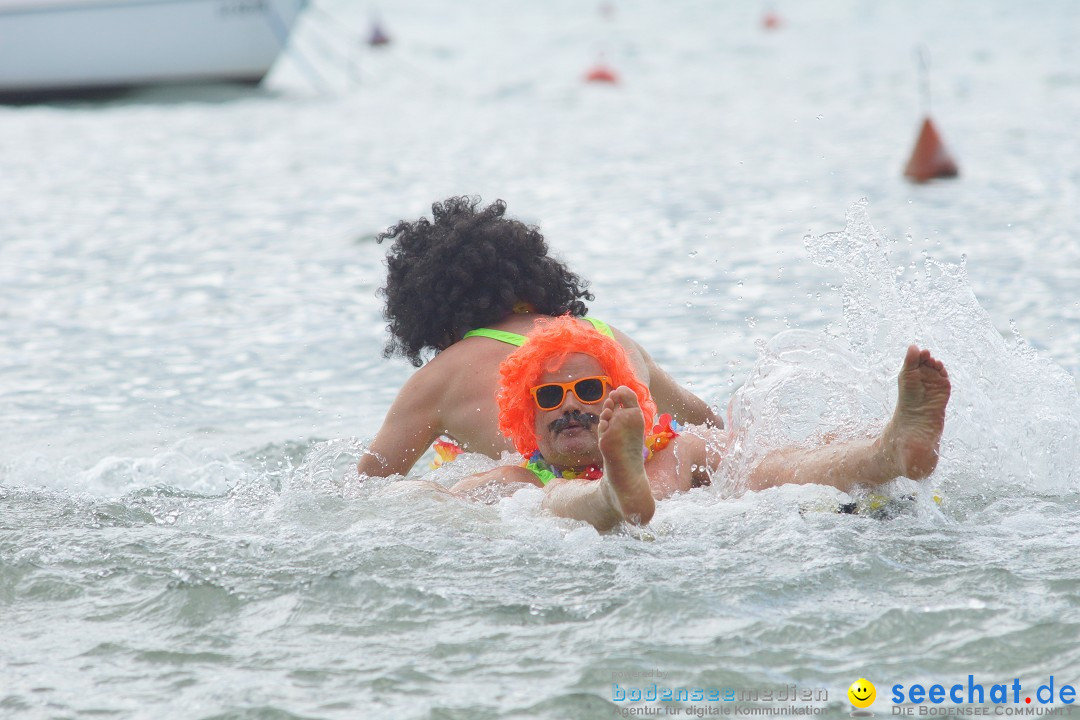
x=454 y=395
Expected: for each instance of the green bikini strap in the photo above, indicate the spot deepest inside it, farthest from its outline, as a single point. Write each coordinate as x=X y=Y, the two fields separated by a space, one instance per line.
x=518 y=340
x=601 y=326
x=501 y=335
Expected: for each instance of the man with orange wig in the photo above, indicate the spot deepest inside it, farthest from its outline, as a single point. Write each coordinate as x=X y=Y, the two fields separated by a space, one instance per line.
x=573 y=407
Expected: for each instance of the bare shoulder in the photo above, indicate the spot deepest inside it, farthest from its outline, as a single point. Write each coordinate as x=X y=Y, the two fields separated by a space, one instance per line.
x=643 y=364
x=465 y=353
x=622 y=338
x=460 y=358
x=435 y=389
x=465 y=368
x=425 y=386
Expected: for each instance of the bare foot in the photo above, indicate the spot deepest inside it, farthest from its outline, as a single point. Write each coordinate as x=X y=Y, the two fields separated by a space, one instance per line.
x=621 y=431
x=913 y=434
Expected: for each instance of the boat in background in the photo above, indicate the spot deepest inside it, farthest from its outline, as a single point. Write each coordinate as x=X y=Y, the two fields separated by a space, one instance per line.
x=56 y=48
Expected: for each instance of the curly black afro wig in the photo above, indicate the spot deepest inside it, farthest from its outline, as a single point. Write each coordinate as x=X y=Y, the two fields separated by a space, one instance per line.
x=464 y=269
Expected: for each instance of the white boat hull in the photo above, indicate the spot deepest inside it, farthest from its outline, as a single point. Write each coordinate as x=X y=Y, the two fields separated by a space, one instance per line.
x=57 y=45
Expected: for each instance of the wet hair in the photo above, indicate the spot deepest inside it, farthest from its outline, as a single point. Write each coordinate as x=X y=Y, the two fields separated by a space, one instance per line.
x=467 y=268
x=547 y=347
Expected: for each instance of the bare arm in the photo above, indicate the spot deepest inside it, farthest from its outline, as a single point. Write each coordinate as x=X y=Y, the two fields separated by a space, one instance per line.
x=411 y=425
x=673 y=398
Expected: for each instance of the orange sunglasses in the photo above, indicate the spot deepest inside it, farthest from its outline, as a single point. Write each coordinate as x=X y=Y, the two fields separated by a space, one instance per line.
x=589 y=390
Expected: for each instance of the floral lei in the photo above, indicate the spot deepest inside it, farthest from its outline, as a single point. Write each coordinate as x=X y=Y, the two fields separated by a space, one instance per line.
x=664 y=431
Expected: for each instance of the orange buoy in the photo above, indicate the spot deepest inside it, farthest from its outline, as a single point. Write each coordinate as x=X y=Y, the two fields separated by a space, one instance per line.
x=930 y=159
x=601 y=73
x=771 y=21
x=378 y=36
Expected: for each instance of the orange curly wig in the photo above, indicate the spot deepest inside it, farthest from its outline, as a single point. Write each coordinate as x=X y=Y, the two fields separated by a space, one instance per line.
x=547 y=347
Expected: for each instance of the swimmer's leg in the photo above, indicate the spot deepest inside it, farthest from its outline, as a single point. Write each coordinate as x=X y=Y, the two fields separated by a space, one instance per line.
x=907 y=447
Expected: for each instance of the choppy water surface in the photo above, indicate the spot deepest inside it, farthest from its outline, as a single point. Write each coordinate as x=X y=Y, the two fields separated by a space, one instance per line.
x=191 y=364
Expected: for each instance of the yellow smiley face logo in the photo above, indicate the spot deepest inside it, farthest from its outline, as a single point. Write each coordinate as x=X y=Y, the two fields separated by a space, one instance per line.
x=862 y=693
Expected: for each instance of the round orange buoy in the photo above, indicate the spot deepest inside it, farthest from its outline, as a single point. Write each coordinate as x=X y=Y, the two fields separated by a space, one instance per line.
x=930 y=159
x=601 y=73
x=378 y=36
x=771 y=21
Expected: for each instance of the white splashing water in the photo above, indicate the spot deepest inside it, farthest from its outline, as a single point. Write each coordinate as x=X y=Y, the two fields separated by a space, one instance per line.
x=1013 y=420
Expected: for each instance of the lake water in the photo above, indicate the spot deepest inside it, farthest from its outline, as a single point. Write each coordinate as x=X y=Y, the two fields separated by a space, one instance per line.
x=191 y=363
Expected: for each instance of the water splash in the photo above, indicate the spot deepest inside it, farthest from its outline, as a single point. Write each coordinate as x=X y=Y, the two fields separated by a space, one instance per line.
x=1013 y=422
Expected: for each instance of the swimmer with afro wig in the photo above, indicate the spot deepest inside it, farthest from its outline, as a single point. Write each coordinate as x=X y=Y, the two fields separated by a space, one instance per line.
x=468 y=268
x=471 y=268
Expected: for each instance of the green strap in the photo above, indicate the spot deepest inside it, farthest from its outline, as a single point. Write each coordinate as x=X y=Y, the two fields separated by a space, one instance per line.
x=501 y=335
x=601 y=326
x=518 y=340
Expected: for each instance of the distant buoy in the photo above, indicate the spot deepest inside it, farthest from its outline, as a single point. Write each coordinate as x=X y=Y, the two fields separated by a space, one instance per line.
x=601 y=73
x=771 y=21
x=378 y=36
x=607 y=10
x=930 y=159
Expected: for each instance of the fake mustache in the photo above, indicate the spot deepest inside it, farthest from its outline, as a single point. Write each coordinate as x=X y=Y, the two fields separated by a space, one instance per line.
x=585 y=420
